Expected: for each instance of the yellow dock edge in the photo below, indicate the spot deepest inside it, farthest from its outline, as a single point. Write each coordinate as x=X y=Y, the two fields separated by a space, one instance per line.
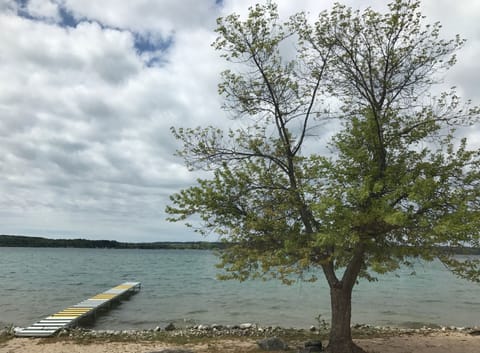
x=69 y=316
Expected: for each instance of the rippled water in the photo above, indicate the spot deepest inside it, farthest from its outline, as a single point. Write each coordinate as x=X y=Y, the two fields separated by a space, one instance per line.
x=180 y=286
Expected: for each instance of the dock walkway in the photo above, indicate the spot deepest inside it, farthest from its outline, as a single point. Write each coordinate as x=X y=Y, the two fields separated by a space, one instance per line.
x=71 y=315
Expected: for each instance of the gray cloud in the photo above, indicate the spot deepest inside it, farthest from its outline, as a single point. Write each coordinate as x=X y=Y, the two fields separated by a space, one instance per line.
x=90 y=90
x=146 y=16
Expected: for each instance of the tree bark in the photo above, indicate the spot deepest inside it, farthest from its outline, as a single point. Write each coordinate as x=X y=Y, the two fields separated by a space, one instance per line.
x=340 y=332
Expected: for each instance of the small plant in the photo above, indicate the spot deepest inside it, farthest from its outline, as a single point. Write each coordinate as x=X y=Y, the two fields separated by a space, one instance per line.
x=323 y=325
x=6 y=333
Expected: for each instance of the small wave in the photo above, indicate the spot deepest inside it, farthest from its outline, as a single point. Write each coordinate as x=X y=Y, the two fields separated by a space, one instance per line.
x=471 y=303
x=138 y=322
x=197 y=312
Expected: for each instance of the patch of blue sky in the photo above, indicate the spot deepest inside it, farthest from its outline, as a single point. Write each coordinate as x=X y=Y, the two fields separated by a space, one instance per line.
x=22 y=9
x=153 y=48
x=149 y=43
x=66 y=18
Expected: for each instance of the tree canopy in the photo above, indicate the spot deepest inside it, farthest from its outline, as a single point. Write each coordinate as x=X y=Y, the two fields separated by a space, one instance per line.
x=393 y=183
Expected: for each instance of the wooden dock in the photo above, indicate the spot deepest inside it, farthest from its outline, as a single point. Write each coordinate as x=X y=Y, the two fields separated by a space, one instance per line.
x=71 y=315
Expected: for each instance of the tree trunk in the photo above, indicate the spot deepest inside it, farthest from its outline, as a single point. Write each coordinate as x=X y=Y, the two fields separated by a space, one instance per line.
x=340 y=333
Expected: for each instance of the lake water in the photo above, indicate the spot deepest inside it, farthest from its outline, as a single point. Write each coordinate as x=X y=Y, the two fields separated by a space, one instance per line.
x=180 y=286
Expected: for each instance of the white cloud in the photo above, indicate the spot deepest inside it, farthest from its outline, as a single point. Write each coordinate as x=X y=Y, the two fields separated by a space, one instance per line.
x=86 y=114
x=8 y=6
x=147 y=16
x=79 y=114
x=45 y=9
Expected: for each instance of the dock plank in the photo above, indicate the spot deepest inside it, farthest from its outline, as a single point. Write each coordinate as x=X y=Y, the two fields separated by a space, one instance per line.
x=68 y=317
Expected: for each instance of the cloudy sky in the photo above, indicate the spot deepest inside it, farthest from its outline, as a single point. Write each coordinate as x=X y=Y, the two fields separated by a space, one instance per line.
x=89 y=90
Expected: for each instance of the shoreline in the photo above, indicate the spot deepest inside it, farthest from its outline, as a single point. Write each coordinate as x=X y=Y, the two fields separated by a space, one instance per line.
x=242 y=330
x=242 y=338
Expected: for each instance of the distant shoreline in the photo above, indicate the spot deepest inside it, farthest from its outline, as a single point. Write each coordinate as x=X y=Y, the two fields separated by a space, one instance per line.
x=40 y=242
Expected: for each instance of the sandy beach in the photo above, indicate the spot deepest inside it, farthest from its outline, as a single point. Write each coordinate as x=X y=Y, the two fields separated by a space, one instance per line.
x=437 y=342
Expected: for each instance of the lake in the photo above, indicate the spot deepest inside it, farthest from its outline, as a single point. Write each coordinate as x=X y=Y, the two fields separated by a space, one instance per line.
x=180 y=286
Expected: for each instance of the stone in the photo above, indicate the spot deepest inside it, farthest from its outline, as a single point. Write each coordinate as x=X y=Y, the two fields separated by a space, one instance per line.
x=246 y=326
x=203 y=327
x=170 y=327
x=313 y=343
x=272 y=344
x=312 y=346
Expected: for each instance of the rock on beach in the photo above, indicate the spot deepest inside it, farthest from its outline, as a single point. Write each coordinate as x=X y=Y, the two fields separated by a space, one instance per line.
x=272 y=344
x=170 y=327
x=312 y=347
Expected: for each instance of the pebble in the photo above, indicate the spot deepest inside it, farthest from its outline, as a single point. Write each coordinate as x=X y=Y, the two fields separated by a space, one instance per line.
x=250 y=330
x=170 y=327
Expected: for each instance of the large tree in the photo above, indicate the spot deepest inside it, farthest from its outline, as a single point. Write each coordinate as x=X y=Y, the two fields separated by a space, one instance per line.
x=392 y=185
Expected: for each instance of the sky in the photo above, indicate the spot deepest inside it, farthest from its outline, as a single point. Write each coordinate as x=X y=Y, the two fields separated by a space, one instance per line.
x=89 y=90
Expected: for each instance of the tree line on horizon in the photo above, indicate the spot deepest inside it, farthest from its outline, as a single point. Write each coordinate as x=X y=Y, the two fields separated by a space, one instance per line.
x=40 y=242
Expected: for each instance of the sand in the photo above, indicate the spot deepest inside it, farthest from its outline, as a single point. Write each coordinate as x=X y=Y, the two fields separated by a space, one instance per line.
x=432 y=343
x=438 y=342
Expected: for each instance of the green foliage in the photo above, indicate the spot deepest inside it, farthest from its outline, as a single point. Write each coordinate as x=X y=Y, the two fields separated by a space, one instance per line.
x=395 y=184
